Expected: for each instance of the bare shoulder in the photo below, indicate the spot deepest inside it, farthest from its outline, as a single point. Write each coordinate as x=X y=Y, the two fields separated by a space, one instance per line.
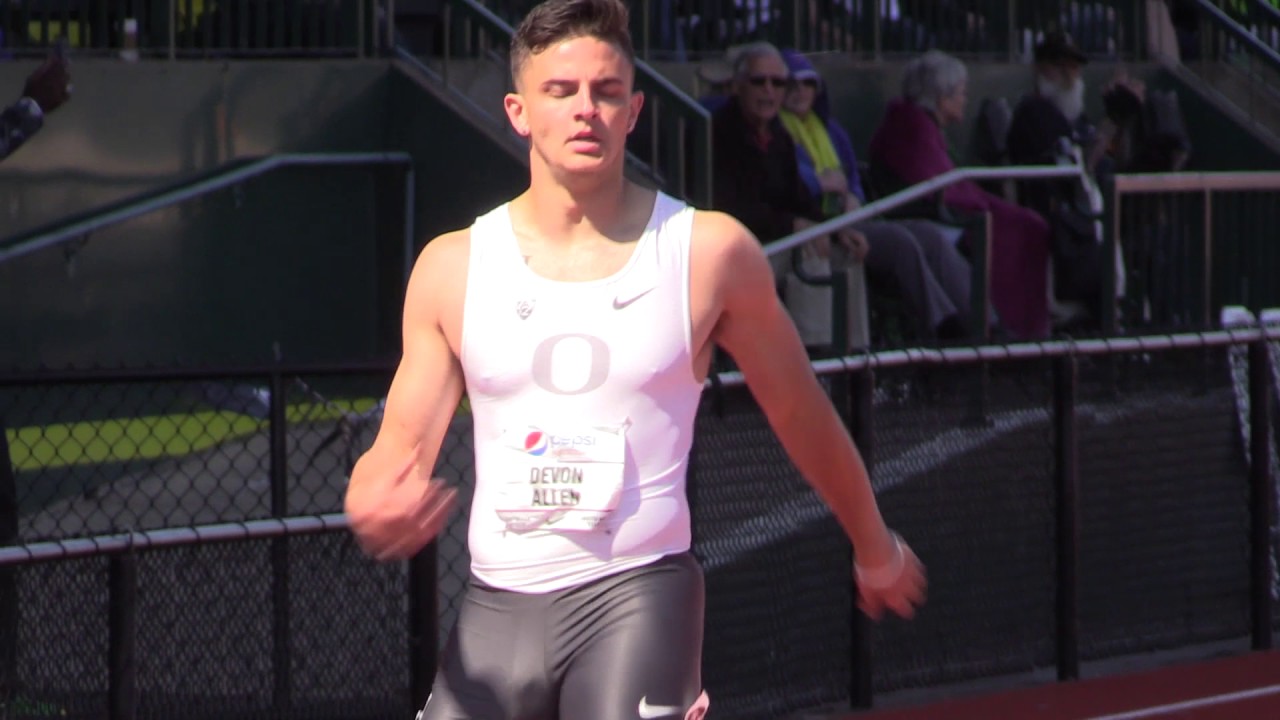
x=442 y=262
x=724 y=249
x=437 y=284
x=717 y=232
x=445 y=254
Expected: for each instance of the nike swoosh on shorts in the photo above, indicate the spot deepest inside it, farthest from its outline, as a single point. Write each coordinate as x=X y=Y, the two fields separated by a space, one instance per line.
x=648 y=712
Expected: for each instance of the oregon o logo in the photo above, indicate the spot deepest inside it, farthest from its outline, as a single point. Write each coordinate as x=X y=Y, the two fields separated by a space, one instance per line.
x=571 y=364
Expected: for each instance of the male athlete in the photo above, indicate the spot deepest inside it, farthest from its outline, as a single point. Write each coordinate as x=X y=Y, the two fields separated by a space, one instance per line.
x=580 y=319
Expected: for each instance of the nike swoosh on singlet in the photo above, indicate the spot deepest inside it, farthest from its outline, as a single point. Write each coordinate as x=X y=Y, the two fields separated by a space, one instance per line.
x=622 y=301
x=648 y=712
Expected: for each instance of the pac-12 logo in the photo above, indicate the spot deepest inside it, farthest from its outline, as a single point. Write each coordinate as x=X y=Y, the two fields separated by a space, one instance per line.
x=536 y=442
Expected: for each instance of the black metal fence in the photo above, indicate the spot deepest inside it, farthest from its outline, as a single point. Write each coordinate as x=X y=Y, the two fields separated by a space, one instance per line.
x=992 y=29
x=1073 y=503
x=139 y=29
x=1192 y=244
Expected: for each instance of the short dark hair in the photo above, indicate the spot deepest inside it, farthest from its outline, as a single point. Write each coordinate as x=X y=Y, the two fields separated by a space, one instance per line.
x=558 y=20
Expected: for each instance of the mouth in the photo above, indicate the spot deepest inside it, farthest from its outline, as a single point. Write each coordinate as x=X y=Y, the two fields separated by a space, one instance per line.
x=585 y=136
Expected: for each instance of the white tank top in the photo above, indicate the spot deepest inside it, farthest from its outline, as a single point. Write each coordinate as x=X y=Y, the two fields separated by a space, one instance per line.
x=583 y=396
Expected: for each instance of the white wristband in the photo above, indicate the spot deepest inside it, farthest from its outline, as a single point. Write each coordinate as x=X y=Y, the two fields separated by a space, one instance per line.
x=886 y=575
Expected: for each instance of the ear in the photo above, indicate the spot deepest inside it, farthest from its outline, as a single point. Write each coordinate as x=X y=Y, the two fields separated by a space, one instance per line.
x=637 y=104
x=513 y=103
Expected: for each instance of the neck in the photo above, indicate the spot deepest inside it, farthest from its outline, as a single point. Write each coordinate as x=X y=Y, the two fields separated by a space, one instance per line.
x=757 y=123
x=753 y=121
x=564 y=208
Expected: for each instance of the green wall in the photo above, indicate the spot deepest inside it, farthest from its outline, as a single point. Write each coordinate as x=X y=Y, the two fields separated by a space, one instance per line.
x=309 y=260
x=462 y=172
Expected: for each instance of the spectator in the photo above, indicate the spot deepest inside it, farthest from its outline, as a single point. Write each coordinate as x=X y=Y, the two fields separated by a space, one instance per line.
x=1052 y=111
x=1055 y=110
x=757 y=180
x=913 y=256
x=910 y=146
x=1139 y=132
x=46 y=90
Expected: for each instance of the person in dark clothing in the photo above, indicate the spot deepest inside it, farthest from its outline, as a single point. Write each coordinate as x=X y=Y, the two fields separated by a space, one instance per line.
x=46 y=90
x=1053 y=111
x=757 y=180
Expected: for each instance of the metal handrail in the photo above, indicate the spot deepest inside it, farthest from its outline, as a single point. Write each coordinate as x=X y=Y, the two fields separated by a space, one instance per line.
x=1267 y=9
x=171 y=537
x=1027 y=351
x=1197 y=181
x=1241 y=33
x=918 y=191
x=26 y=243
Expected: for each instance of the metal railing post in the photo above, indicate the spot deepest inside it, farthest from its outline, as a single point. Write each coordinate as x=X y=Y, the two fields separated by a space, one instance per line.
x=8 y=575
x=1013 y=37
x=122 y=641
x=1110 y=238
x=1206 y=310
x=446 y=41
x=410 y=231
x=1067 y=536
x=860 y=414
x=391 y=25
x=424 y=628
x=361 y=12
x=173 y=30
x=1262 y=496
x=281 y=654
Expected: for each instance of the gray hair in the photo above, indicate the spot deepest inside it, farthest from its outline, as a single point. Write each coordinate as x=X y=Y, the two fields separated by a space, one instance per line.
x=744 y=56
x=932 y=77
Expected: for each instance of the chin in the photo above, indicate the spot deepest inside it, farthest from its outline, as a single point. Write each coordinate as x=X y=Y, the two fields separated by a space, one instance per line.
x=584 y=164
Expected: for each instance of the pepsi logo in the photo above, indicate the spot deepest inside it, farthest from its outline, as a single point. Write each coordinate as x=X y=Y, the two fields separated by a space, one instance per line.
x=535 y=443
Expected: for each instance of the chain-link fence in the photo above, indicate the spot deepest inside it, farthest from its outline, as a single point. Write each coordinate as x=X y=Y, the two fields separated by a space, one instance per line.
x=1073 y=503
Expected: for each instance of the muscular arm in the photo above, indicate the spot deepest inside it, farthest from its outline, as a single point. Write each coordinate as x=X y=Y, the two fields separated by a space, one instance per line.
x=755 y=329
x=424 y=394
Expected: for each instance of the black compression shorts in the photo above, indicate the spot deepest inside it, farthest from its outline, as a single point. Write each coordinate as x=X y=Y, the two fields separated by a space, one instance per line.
x=625 y=647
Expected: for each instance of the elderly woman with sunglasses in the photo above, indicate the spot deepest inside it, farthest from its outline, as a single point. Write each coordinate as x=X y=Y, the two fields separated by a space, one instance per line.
x=913 y=257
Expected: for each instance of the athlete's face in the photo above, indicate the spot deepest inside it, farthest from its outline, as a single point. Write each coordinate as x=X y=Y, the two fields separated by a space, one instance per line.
x=575 y=103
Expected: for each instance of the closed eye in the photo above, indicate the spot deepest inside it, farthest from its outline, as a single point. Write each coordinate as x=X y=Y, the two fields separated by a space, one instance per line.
x=611 y=88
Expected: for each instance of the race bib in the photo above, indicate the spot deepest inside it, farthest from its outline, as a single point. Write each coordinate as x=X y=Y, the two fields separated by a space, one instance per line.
x=561 y=478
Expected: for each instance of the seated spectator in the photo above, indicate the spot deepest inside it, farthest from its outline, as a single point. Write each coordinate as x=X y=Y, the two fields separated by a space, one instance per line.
x=910 y=146
x=757 y=180
x=1049 y=126
x=913 y=256
x=46 y=90
x=1054 y=110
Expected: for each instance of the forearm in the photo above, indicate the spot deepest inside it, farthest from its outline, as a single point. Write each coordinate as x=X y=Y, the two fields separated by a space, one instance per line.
x=818 y=444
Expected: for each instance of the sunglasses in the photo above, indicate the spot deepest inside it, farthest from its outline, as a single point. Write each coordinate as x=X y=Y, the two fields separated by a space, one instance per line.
x=762 y=80
x=808 y=82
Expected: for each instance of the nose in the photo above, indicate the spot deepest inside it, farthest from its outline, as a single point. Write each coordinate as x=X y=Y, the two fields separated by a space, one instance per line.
x=587 y=108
